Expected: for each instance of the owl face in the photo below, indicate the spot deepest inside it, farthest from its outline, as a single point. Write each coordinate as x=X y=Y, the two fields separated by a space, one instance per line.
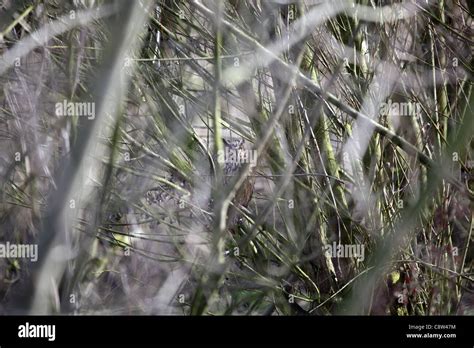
x=235 y=144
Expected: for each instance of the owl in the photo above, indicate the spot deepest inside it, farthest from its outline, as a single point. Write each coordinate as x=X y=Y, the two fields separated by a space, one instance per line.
x=234 y=152
x=232 y=148
x=168 y=199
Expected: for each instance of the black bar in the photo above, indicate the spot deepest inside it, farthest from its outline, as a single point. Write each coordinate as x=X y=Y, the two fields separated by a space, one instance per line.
x=139 y=330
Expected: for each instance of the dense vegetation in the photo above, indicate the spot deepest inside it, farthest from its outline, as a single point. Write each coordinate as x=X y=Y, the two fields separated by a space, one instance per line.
x=237 y=157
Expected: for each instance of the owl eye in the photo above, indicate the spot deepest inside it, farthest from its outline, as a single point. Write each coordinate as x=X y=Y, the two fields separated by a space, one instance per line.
x=226 y=142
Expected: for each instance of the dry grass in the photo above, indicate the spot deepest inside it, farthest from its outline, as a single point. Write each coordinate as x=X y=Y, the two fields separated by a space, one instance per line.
x=360 y=117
